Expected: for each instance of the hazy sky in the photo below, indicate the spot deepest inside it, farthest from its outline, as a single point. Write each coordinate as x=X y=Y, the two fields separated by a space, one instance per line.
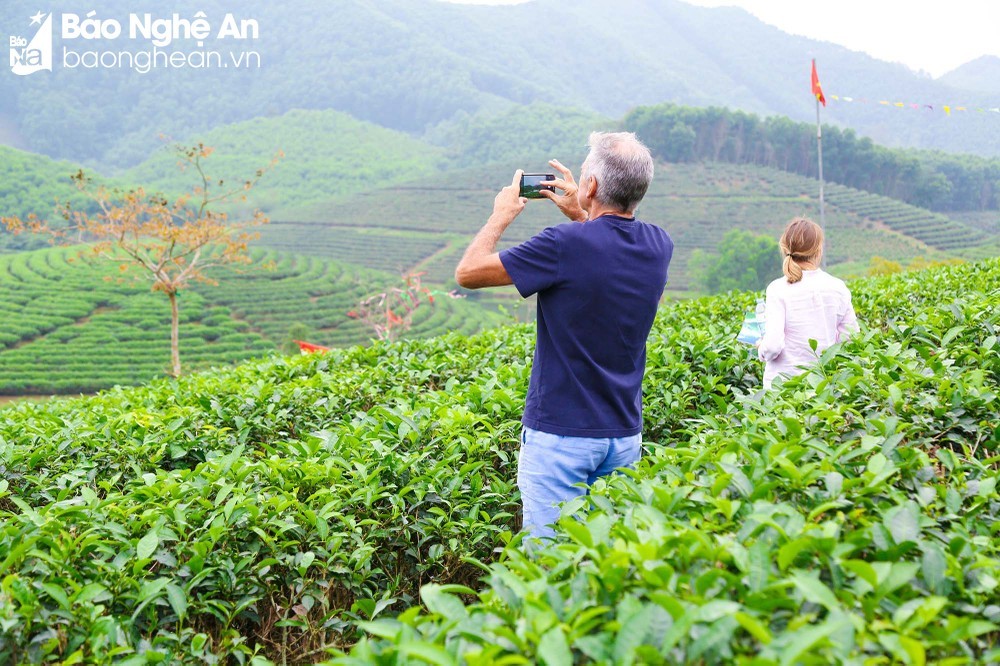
x=934 y=36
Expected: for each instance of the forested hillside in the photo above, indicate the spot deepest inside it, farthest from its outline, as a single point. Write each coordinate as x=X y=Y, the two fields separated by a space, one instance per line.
x=981 y=75
x=325 y=154
x=928 y=179
x=413 y=64
x=355 y=192
x=31 y=183
x=696 y=203
x=535 y=131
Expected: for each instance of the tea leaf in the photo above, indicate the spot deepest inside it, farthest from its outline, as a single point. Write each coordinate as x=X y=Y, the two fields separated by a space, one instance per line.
x=903 y=522
x=147 y=544
x=553 y=649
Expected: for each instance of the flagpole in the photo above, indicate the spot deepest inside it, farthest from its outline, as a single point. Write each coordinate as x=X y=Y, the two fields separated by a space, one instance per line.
x=822 y=207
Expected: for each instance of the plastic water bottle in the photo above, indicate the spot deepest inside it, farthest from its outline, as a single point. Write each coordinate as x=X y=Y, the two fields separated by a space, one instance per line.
x=753 y=325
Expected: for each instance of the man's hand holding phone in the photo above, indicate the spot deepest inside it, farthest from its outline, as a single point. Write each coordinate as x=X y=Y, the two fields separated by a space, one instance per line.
x=509 y=203
x=567 y=201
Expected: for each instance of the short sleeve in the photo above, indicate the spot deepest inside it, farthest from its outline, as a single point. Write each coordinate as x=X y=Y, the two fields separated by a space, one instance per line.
x=534 y=264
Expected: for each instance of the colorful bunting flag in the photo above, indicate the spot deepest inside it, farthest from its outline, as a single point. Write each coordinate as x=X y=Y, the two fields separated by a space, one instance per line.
x=947 y=108
x=817 y=90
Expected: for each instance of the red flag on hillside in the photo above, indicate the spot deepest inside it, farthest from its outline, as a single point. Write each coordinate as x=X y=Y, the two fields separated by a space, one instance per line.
x=817 y=90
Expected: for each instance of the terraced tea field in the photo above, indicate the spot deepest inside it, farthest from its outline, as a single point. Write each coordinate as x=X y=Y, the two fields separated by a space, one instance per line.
x=934 y=229
x=382 y=249
x=697 y=204
x=63 y=328
x=988 y=221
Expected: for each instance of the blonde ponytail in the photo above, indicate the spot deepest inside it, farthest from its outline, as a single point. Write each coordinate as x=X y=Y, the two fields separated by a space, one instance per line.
x=791 y=269
x=801 y=242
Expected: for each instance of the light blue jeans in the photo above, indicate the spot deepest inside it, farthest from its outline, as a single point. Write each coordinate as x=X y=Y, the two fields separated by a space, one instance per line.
x=551 y=467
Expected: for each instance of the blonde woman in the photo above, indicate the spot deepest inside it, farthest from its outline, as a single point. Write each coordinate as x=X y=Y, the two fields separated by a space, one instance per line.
x=806 y=304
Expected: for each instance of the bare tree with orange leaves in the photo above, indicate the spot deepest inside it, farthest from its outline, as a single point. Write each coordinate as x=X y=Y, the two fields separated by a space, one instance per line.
x=170 y=244
x=390 y=312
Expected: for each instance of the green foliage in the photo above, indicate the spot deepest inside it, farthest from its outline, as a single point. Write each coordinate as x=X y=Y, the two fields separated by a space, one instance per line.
x=926 y=179
x=379 y=246
x=425 y=224
x=335 y=201
x=258 y=509
x=34 y=184
x=276 y=508
x=883 y=266
x=413 y=64
x=297 y=331
x=936 y=230
x=536 y=132
x=696 y=203
x=326 y=154
x=69 y=326
x=849 y=516
x=742 y=261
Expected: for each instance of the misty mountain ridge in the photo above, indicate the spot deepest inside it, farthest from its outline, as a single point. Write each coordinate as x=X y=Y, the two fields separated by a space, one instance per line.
x=980 y=75
x=412 y=65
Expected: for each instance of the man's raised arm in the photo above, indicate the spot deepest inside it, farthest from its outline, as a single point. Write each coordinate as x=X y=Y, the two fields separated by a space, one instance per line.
x=480 y=265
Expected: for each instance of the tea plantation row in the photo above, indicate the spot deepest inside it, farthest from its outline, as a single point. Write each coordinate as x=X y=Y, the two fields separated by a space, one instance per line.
x=379 y=248
x=285 y=507
x=65 y=328
x=697 y=204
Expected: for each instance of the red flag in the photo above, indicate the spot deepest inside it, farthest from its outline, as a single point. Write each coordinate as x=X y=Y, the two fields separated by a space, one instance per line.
x=817 y=90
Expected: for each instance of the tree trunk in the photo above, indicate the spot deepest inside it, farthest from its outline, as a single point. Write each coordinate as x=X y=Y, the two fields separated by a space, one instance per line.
x=175 y=351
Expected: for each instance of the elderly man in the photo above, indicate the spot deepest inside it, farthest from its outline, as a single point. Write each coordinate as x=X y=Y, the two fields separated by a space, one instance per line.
x=599 y=280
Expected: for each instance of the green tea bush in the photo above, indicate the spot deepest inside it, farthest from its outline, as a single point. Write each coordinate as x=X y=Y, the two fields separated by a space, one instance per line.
x=364 y=500
x=263 y=508
x=851 y=516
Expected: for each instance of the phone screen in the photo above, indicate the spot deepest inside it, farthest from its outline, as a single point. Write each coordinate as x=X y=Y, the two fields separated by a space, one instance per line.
x=530 y=188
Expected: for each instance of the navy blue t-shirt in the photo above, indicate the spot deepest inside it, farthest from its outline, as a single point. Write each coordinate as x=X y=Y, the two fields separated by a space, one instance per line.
x=598 y=284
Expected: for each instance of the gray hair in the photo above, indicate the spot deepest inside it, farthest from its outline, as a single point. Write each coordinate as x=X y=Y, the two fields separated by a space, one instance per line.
x=622 y=166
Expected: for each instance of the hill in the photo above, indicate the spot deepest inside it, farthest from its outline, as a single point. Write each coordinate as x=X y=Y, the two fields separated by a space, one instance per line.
x=31 y=183
x=412 y=64
x=928 y=179
x=274 y=509
x=357 y=193
x=531 y=132
x=696 y=203
x=980 y=75
x=70 y=327
x=326 y=154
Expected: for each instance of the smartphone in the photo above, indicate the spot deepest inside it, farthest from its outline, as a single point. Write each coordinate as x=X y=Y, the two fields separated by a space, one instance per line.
x=530 y=187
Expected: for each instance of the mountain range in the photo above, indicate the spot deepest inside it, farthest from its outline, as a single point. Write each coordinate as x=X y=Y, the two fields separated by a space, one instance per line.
x=415 y=65
x=981 y=74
